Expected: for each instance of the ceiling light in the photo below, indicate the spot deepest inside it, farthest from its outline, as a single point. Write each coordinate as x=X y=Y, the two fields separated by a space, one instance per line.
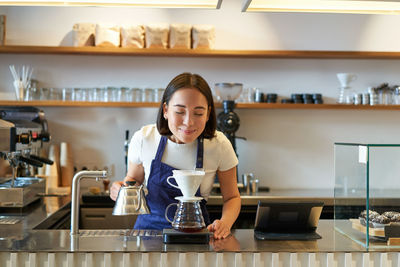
x=324 y=6
x=126 y=3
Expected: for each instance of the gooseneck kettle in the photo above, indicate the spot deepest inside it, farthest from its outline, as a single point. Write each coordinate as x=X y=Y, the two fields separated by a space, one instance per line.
x=131 y=200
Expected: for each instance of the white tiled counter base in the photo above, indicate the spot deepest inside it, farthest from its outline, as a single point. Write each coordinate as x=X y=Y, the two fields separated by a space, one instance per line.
x=193 y=259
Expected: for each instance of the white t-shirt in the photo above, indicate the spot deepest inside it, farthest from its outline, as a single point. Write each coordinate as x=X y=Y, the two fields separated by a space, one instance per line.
x=218 y=154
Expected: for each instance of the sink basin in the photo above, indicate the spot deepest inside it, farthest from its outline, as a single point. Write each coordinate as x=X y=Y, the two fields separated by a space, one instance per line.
x=90 y=217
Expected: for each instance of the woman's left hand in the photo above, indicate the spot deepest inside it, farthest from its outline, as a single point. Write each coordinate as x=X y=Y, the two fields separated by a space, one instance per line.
x=220 y=229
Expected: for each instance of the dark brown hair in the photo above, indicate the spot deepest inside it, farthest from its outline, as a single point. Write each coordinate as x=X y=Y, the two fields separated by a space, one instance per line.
x=188 y=80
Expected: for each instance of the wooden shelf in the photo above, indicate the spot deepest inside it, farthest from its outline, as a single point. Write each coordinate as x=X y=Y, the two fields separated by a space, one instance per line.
x=218 y=105
x=119 y=51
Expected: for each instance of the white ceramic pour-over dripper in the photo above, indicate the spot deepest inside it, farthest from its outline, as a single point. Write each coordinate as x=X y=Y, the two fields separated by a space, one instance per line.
x=188 y=181
x=346 y=78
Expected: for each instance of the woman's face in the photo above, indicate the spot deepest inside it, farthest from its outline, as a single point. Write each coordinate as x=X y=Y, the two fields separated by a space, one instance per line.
x=187 y=114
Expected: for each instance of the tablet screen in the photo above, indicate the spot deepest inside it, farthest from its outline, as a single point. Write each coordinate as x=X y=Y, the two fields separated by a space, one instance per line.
x=288 y=217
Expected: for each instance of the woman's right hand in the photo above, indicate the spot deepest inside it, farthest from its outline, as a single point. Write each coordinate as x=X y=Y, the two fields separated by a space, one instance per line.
x=115 y=187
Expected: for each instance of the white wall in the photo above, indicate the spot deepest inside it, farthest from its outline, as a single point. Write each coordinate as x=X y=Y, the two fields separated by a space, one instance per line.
x=284 y=148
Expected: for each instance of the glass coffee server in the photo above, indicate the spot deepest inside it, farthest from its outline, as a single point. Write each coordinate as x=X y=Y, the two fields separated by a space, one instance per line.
x=367 y=193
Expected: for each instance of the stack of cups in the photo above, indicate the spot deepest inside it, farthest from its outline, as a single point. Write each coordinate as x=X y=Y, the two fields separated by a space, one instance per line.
x=66 y=164
x=52 y=172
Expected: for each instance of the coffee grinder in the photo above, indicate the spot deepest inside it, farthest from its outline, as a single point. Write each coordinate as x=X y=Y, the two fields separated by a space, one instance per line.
x=228 y=121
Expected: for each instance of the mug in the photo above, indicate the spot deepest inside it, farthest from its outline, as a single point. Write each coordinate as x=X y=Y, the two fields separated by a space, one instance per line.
x=188 y=181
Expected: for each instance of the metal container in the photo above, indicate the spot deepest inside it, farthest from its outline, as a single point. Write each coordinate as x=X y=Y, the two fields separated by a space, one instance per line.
x=25 y=191
x=131 y=201
x=254 y=185
x=247 y=177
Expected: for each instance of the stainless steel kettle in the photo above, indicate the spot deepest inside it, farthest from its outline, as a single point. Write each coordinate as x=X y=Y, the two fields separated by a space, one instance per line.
x=131 y=200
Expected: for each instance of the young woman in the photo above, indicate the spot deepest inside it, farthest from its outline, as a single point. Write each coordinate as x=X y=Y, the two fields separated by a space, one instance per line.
x=185 y=137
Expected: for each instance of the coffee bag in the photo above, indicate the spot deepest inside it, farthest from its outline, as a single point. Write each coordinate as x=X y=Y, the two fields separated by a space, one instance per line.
x=83 y=34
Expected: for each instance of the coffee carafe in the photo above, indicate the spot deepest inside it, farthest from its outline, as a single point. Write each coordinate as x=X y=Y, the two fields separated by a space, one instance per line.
x=188 y=216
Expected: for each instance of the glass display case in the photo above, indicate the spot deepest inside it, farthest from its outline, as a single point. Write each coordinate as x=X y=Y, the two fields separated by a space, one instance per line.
x=367 y=193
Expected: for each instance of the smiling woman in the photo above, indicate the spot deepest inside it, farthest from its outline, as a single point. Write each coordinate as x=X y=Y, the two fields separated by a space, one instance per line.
x=185 y=138
x=186 y=114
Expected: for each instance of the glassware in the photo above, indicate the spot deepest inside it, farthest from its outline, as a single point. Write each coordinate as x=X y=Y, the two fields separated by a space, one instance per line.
x=188 y=216
x=159 y=92
x=112 y=94
x=373 y=96
x=346 y=95
x=396 y=96
x=248 y=95
x=137 y=95
x=122 y=94
x=97 y=94
x=34 y=90
x=385 y=96
x=128 y=95
x=55 y=94
x=148 y=95
x=66 y=94
x=44 y=94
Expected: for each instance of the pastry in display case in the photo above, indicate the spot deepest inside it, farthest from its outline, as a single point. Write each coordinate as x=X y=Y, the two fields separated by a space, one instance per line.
x=367 y=193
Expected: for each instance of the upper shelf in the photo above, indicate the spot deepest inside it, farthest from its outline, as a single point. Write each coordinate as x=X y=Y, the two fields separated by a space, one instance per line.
x=119 y=51
x=218 y=105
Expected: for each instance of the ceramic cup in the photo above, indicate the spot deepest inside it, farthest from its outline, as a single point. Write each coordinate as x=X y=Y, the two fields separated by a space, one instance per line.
x=346 y=78
x=188 y=181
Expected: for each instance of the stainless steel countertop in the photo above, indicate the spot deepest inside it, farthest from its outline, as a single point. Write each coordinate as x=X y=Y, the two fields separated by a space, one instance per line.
x=324 y=195
x=111 y=241
x=21 y=237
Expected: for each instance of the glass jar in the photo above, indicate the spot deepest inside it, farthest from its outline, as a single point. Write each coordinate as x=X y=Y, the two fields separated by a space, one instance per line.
x=112 y=94
x=66 y=94
x=159 y=92
x=33 y=92
x=396 y=96
x=148 y=95
x=346 y=95
x=137 y=95
x=386 y=96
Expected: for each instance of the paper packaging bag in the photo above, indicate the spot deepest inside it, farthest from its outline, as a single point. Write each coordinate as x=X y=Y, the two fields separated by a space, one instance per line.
x=66 y=164
x=2 y=29
x=157 y=35
x=203 y=37
x=107 y=36
x=83 y=34
x=179 y=36
x=132 y=36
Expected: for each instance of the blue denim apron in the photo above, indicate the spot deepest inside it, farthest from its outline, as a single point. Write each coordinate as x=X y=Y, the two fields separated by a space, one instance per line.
x=161 y=194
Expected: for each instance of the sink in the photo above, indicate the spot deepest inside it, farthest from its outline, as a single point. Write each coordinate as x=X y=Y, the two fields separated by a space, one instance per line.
x=90 y=217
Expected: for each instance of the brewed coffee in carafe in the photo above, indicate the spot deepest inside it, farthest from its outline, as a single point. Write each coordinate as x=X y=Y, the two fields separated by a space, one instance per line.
x=188 y=216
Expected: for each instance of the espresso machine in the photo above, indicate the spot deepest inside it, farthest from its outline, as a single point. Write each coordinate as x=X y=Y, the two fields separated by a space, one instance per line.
x=22 y=133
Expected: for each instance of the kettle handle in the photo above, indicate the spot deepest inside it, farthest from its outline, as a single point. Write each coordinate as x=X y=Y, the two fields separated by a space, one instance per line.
x=166 y=211
x=171 y=183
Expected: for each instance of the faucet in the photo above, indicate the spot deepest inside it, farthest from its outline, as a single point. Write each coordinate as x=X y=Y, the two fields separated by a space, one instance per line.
x=75 y=195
